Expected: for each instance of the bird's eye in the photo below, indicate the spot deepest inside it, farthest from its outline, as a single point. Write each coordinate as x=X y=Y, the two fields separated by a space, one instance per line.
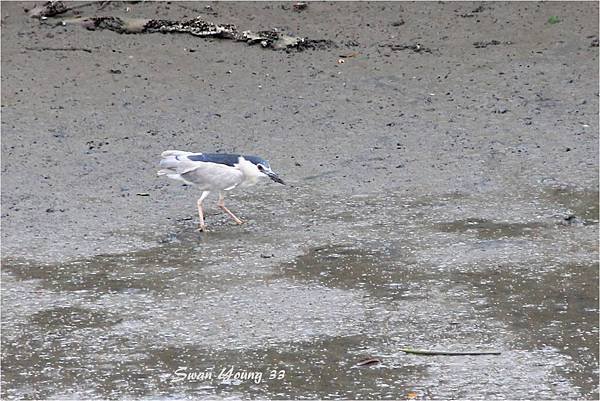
x=260 y=167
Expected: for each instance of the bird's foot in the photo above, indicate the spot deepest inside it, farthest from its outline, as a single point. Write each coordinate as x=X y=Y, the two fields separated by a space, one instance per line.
x=202 y=229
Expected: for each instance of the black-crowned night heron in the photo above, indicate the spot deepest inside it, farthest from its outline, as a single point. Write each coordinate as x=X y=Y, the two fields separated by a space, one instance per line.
x=215 y=172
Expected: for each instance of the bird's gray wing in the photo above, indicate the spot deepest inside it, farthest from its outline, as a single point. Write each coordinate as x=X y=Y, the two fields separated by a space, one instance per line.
x=213 y=176
x=201 y=171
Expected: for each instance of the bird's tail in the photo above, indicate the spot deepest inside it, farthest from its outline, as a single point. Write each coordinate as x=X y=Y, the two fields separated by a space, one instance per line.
x=168 y=153
x=171 y=159
x=173 y=164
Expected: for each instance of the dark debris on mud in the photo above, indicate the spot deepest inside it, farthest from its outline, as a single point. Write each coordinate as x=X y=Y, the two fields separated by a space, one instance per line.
x=477 y=10
x=416 y=47
x=268 y=39
x=486 y=43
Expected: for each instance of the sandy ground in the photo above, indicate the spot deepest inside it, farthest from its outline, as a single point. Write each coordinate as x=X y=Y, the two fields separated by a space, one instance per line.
x=457 y=185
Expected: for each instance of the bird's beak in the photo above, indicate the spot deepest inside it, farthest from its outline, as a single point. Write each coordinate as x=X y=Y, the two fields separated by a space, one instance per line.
x=274 y=177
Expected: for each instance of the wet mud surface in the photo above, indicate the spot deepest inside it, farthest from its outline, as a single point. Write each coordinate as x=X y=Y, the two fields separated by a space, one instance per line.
x=444 y=200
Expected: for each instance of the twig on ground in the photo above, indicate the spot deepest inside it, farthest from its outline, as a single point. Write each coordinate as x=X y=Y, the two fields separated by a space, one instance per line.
x=60 y=49
x=431 y=352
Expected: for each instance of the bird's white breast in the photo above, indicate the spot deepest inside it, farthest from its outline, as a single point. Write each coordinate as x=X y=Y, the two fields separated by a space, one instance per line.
x=250 y=172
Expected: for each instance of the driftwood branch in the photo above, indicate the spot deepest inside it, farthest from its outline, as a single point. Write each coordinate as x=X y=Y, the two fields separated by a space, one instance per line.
x=430 y=352
x=52 y=8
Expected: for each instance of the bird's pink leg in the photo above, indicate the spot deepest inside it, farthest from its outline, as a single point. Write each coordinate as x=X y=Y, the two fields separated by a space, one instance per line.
x=221 y=204
x=201 y=226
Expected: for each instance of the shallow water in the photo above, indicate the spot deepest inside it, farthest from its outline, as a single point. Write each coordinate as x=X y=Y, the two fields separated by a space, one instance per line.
x=291 y=312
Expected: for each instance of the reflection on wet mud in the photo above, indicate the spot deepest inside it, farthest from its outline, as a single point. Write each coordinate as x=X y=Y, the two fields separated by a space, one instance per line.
x=341 y=267
x=557 y=309
x=70 y=318
x=117 y=326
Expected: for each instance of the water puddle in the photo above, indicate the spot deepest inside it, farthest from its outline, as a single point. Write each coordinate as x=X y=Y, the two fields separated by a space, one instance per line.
x=383 y=272
x=71 y=318
x=583 y=204
x=486 y=229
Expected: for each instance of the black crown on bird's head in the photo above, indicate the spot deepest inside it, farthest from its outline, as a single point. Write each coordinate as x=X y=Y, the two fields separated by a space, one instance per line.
x=257 y=160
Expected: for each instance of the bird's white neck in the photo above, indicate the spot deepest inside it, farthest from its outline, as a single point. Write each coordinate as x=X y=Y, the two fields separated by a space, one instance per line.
x=250 y=171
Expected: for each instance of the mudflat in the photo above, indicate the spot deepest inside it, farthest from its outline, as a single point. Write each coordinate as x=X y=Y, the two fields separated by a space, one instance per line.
x=442 y=161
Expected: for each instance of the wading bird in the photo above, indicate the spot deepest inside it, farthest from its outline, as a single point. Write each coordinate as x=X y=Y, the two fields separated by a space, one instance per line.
x=215 y=172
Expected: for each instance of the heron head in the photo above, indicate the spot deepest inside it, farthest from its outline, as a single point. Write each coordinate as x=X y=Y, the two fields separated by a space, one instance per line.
x=265 y=169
